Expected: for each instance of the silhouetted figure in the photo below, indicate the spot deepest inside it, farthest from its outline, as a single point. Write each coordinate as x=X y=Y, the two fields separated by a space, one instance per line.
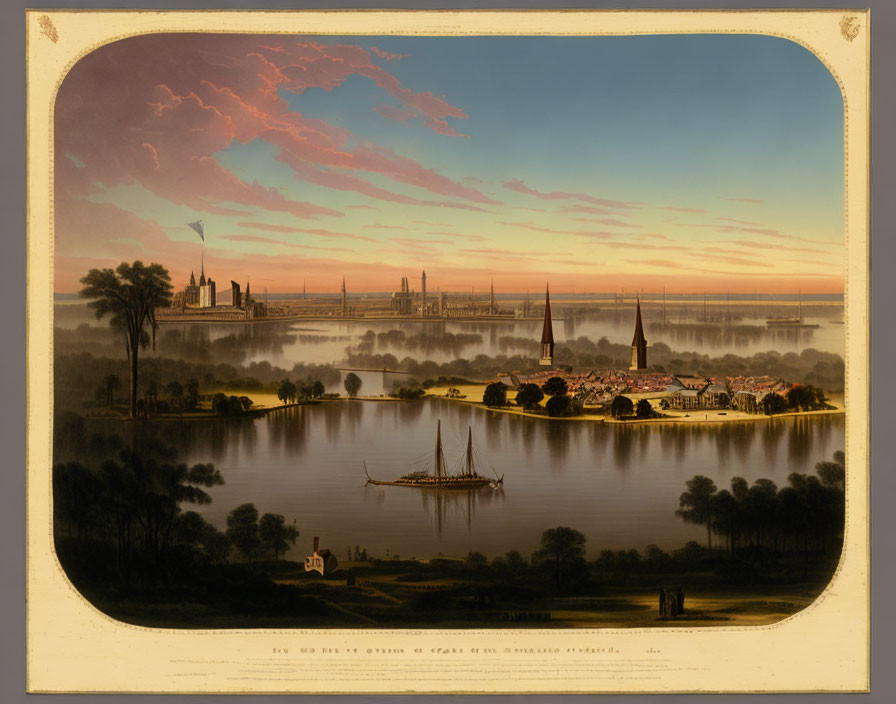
x=662 y=602
x=680 y=600
x=673 y=603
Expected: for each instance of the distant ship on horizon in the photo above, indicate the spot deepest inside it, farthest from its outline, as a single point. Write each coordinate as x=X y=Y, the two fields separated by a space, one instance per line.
x=791 y=321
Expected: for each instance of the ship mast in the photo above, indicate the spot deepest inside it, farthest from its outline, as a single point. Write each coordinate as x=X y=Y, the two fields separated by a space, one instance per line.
x=439 y=464
x=470 y=470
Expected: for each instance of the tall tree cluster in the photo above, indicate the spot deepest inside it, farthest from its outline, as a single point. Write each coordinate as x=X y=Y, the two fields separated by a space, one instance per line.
x=135 y=502
x=805 y=516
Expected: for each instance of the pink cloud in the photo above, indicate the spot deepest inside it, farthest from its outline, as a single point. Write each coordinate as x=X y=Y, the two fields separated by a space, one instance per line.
x=777 y=247
x=341 y=181
x=387 y=55
x=520 y=186
x=339 y=235
x=395 y=114
x=155 y=110
x=303 y=230
x=682 y=210
x=613 y=222
x=281 y=243
x=271 y=228
x=420 y=240
x=378 y=226
x=586 y=209
x=740 y=222
x=551 y=231
x=596 y=235
x=661 y=263
x=458 y=235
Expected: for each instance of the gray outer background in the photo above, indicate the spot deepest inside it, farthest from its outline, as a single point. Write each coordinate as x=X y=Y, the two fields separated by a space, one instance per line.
x=12 y=294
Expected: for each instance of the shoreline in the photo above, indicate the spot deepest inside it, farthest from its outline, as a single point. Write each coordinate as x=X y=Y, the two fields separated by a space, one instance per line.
x=714 y=416
x=710 y=417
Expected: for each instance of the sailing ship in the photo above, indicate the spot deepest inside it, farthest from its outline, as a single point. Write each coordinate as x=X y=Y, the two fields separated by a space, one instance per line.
x=791 y=321
x=469 y=478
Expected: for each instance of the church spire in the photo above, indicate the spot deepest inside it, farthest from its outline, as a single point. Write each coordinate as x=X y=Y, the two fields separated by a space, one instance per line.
x=639 y=342
x=547 y=333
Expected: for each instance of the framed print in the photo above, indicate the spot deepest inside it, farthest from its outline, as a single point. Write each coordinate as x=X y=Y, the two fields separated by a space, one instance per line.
x=448 y=352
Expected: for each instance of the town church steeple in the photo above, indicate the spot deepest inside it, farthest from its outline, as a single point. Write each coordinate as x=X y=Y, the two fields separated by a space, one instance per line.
x=639 y=343
x=547 y=333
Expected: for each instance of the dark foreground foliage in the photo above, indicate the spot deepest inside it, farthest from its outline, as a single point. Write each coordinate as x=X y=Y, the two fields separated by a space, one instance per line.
x=128 y=541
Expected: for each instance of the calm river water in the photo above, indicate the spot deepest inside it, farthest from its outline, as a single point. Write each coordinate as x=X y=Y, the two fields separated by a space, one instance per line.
x=619 y=485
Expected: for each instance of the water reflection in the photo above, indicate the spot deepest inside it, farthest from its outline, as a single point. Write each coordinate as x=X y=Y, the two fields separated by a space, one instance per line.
x=618 y=484
x=443 y=506
x=799 y=442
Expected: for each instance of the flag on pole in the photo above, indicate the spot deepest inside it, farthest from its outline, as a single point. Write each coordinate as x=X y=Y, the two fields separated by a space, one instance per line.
x=198 y=227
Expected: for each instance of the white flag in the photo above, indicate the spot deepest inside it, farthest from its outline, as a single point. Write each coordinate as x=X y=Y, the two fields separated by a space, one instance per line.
x=198 y=227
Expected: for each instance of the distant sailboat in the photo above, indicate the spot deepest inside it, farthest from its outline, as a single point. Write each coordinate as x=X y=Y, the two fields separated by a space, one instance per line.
x=439 y=478
x=791 y=321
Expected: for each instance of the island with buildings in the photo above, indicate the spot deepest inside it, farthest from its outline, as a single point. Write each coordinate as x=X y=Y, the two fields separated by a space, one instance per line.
x=678 y=396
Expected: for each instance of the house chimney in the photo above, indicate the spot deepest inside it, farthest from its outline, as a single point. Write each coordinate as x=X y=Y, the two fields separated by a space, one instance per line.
x=316 y=544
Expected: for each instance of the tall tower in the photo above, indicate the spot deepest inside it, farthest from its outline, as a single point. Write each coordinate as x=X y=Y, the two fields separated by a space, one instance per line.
x=344 y=306
x=491 y=298
x=639 y=344
x=246 y=298
x=547 y=333
x=423 y=288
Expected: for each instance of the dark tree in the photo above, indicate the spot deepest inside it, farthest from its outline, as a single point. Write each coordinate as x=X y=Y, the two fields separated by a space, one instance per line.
x=559 y=406
x=75 y=492
x=287 y=391
x=145 y=491
x=529 y=396
x=495 y=394
x=622 y=406
x=275 y=535
x=242 y=529
x=564 y=550
x=176 y=395
x=644 y=409
x=555 y=386
x=723 y=508
x=112 y=382
x=352 y=384
x=130 y=295
x=192 y=529
x=805 y=398
x=476 y=561
x=317 y=389
x=833 y=474
x=192 y=393
x=773 y=404
x=696 y=504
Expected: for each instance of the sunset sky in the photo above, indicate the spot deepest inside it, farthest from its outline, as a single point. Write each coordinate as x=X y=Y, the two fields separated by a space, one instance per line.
x=692 y=162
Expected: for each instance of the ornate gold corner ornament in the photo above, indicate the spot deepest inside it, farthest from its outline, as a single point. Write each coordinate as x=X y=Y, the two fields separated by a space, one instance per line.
x=48 y=29
x=849 y=27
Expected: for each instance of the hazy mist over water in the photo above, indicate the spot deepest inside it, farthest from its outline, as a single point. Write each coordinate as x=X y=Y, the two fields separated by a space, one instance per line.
x=324 y=341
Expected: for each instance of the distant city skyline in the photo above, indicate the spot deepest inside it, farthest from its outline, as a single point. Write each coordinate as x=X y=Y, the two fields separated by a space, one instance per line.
x=690 y=162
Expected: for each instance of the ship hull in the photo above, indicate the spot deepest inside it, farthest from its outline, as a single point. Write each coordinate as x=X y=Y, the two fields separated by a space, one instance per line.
x=444 y=483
